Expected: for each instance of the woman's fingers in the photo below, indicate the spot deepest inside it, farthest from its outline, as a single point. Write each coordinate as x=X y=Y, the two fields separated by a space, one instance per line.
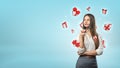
x=83 y=31
x=82 y=34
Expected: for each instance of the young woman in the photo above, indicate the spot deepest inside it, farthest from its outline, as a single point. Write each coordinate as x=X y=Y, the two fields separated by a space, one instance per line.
x=90 y=44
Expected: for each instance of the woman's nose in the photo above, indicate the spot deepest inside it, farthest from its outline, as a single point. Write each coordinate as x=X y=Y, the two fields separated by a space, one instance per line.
x=85 y=22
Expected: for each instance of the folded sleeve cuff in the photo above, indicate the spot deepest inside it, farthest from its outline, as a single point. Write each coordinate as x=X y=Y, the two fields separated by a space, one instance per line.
x=81 y=50
x=99 y=51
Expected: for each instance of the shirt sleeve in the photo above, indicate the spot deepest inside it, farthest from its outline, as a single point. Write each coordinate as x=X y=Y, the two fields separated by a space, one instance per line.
x=81 y=50
x=99 y=50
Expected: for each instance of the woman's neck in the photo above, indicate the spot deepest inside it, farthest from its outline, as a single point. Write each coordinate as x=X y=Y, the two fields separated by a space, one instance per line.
x=88 y=32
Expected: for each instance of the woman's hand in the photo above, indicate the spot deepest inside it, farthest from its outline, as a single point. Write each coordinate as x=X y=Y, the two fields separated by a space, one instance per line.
x=82 y=33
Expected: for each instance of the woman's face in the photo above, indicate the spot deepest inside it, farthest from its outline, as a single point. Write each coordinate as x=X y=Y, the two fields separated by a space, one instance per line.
x=86 y=21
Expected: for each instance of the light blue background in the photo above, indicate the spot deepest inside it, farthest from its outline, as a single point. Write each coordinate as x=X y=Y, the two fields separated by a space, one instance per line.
x=31 y=35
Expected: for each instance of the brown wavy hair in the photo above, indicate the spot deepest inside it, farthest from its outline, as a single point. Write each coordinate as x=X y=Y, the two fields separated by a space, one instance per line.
x=92 y=28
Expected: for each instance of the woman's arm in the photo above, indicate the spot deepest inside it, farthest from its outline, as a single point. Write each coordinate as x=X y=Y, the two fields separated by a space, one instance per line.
x=81 y=41
x=99 y=50
x=92 y=52
x=81 y=48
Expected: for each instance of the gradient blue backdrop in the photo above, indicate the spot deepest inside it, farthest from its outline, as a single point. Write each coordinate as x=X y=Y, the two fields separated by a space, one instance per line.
x=31 y=35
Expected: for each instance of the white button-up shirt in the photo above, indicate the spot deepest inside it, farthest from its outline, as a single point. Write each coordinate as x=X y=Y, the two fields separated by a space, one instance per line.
x=90 y=45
